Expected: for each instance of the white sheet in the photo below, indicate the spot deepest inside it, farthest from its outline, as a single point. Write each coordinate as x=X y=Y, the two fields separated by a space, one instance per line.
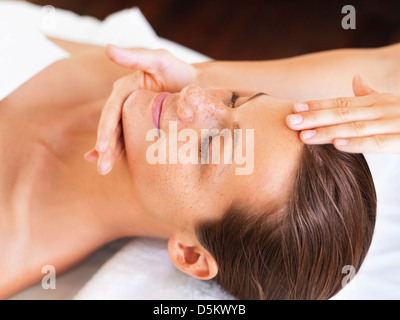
x=142 y=269
x=16 y=66
x=379 y=276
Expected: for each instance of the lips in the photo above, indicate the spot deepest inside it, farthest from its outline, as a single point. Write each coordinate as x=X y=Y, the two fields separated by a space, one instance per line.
x=157 y=108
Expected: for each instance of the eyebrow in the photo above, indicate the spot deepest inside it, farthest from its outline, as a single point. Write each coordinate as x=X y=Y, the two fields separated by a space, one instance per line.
x=256 y=96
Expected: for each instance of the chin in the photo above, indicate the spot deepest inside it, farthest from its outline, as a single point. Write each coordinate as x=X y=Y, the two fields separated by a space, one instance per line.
x=136 y=122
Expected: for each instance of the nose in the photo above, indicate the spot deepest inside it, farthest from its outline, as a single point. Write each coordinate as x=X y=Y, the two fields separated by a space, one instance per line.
x=195 y=104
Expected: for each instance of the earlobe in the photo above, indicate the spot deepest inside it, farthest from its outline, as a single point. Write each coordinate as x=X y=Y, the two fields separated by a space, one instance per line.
x=191 y=259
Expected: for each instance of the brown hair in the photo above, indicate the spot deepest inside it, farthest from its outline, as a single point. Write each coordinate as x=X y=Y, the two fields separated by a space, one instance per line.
x=298 y=251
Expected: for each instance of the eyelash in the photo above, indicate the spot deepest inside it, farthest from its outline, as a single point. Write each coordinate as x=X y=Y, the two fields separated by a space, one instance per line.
x=234 y=97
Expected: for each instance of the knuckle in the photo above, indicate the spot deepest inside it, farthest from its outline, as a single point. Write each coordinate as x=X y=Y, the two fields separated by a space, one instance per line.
x=380 y=141
x=117 y=83
x=342 y=102
x=314 y=105
x=343 y=112
x=323 y=134
x=327 y=134
x=358 y=127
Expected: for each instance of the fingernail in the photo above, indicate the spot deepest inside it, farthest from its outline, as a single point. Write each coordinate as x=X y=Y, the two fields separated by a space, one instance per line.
x=104 y=167
x=88 y=156
x=307 y=134
x=294 y=119
x=301 y=107
x=341 y=142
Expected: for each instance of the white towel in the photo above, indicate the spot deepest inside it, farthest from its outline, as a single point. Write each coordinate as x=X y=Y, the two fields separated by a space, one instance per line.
x=23 y=53
x=142 y=270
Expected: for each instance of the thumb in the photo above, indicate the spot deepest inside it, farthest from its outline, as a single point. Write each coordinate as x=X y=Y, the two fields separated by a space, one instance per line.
x=138 y=58
x=360 y=86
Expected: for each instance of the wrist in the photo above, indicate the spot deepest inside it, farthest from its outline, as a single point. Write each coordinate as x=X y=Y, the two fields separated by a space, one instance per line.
x=200 y=74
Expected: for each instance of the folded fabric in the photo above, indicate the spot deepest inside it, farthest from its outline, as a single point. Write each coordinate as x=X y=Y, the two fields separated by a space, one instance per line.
x=124 y=28
x=23 y=53
x=143 y=270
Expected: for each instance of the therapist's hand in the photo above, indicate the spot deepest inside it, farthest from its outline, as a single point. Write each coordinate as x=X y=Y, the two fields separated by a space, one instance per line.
x=155 y=70
x=366 y=123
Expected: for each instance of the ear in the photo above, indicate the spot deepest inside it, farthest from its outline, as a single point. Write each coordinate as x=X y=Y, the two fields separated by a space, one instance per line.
x=192 y=259
x=360 y=86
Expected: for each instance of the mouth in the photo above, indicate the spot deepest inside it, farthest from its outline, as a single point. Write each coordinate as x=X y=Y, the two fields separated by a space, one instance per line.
x=157 y=108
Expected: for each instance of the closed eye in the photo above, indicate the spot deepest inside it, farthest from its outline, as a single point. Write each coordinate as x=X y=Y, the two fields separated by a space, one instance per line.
x=251 y=98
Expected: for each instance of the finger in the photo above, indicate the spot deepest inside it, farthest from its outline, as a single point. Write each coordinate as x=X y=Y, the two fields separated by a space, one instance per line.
x=115 y=136
x=142 y=59
x=341 y=102
x=112 y=112
x=374 y=144
x=328 y=117
x=107 y=159
x=360 y=86
x=105 y=162
x=91 y=155
x=325 y=135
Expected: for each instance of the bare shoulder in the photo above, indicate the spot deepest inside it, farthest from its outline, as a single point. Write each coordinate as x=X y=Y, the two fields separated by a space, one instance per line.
x=76 y=48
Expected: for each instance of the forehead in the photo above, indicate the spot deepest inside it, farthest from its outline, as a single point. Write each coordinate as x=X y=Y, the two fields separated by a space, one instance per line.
x=277 y=150
x=217 y=91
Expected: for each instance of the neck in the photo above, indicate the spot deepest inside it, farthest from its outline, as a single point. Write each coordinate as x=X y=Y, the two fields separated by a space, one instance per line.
x=119 y=209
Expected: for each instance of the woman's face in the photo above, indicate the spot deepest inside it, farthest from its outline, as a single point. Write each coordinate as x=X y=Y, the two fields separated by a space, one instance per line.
x=181 y=193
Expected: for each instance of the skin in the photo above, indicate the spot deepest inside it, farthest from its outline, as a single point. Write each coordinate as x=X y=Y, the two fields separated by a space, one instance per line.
x=56 y=209
x=323 y=75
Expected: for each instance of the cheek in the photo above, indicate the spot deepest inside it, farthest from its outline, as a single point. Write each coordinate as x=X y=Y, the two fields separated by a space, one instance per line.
x=173 y=194
x=169 y=193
